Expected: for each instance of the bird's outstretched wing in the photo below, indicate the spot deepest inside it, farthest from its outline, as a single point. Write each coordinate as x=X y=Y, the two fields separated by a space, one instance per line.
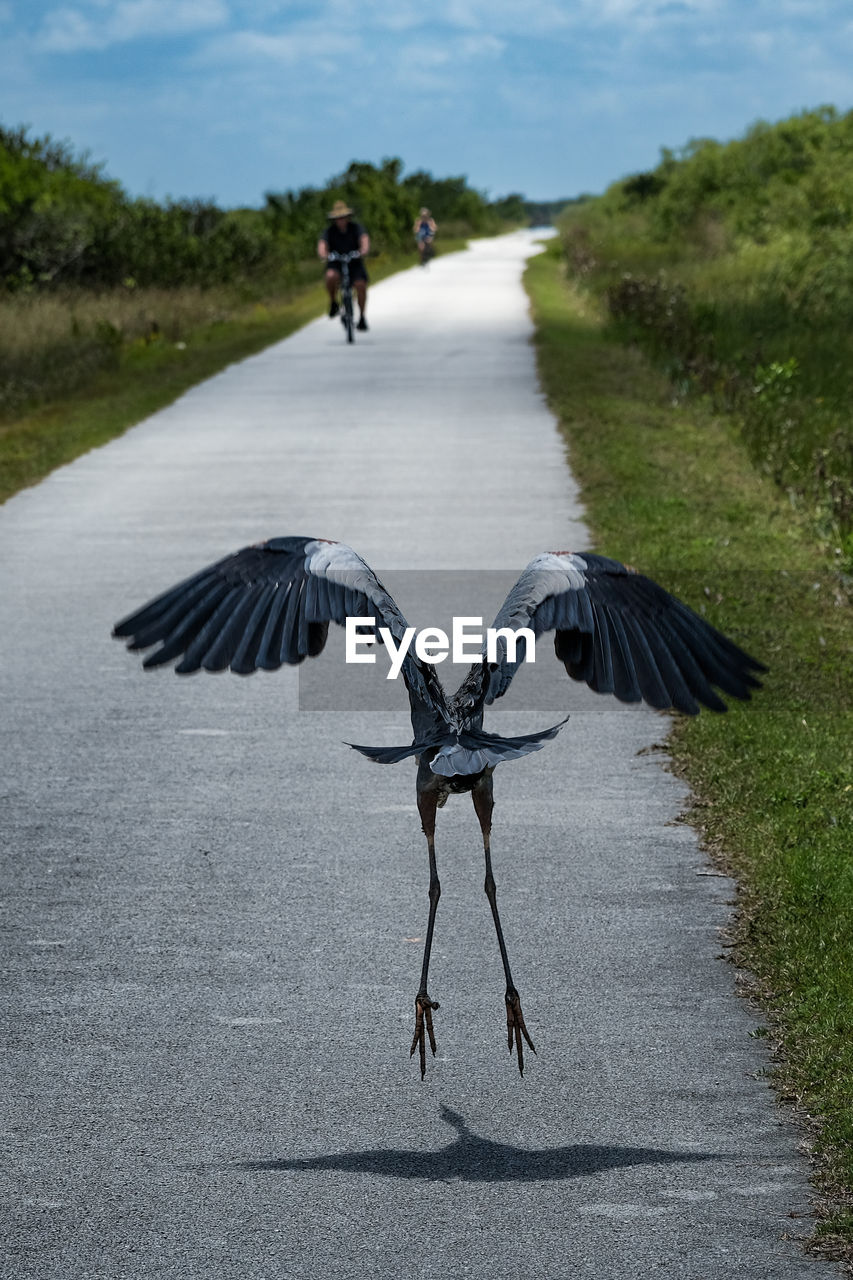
x=267 y=605
x=623 y=634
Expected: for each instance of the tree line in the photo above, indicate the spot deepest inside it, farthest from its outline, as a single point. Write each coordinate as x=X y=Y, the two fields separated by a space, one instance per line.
x=64 y=222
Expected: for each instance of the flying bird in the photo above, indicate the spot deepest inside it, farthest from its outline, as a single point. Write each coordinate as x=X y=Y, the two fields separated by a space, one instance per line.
x=271 y=604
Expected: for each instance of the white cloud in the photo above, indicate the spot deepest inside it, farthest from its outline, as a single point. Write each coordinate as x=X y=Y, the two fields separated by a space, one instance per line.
x=487 y=17
x=507 y=15
x=433 y=66
x=481 y=46
x=65 y=29
x=414 y=64
x=68 y=30
x=537 y=17
x=306 y=48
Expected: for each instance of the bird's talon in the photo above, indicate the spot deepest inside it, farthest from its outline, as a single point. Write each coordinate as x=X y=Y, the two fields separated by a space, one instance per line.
x=516 y=1029
x=423 y=1029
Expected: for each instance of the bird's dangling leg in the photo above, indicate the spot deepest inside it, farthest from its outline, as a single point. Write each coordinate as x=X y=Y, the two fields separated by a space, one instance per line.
x=424 y=1006
x=517 y=1032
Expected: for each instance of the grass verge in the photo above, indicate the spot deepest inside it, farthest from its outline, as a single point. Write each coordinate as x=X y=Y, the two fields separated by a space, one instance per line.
x=670 y=488
x=149 y=374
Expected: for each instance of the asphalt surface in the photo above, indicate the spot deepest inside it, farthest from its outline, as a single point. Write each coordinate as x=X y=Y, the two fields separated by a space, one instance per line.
x=213 y=909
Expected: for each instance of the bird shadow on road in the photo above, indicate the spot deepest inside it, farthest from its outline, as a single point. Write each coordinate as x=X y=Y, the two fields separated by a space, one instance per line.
x=470 y=1158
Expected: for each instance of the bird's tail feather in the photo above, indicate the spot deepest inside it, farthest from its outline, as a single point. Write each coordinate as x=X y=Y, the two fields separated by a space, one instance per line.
x=389 y=755
x=474 y=750
x=467 y=752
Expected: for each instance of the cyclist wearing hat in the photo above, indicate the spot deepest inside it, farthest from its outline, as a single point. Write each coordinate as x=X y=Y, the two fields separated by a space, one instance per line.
x=342 y=235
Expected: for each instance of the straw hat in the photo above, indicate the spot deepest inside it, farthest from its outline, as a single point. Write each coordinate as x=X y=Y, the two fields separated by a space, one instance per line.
x=340 y=210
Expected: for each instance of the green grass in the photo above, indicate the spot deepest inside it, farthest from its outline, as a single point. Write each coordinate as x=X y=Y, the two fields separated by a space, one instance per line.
x=762 y=329
x=147 y=377
x=143 y=375
x=669 y=488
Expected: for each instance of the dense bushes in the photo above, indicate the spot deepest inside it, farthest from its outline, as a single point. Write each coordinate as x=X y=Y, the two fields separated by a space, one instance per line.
x=733 y=265
x=386 y=202
x=63 y=223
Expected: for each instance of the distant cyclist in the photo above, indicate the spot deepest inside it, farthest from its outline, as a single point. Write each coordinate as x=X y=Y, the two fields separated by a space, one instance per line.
x=425 y=229
x=342 y=235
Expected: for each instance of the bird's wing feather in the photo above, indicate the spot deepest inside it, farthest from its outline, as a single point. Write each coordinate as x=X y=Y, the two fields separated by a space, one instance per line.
x=621 y=633
x=268 y=605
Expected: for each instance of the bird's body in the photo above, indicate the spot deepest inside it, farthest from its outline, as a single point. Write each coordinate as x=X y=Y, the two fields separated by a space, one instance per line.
x=271 y=604
x=458 y=785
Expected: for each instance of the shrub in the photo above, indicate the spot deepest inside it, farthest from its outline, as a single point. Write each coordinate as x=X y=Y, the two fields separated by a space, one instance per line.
x=732 y=264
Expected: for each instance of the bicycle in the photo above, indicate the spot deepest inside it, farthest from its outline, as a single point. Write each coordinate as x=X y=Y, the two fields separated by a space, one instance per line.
x=426 y=249
x=344 y=259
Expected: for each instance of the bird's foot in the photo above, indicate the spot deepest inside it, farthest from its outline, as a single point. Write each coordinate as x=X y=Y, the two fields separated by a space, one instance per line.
x=423 y=1028
x=516 y=1031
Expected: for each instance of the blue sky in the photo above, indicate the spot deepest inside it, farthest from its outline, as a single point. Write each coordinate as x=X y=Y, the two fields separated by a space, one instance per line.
x=228 y=99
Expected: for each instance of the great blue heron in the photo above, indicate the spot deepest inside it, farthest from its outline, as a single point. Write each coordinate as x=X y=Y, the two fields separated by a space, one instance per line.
x=271 y=604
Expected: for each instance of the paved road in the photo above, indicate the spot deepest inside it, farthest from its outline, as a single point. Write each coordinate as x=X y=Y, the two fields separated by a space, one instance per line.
x=213 y=908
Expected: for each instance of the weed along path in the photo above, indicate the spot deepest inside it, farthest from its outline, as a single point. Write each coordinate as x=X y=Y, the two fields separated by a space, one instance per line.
x=215 y=909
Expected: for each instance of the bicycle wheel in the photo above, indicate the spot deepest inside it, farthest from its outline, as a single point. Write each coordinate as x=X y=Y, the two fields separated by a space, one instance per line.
x=346 y=315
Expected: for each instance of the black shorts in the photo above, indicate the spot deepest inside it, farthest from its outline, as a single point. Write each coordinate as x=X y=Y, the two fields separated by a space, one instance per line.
x=357 y=269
